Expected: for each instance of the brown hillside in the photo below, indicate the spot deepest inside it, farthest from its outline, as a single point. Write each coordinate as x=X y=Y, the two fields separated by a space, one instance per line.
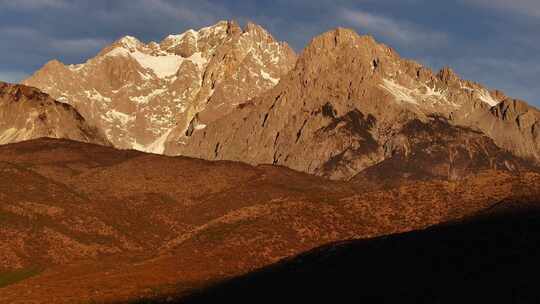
x=117 y=225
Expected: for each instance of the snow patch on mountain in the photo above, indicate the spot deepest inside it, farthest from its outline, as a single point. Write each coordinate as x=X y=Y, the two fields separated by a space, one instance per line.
x=200 y=127
x=399 y=92
x=130 y=42
x=160 y=85
x=95 y=95
x=114 y=115
x=198 y=60
x=158 y=147
x=162 y=66
x=486 y=97
x=424 y=94
x=432 y=92
x=146 y=99
x=267 y=76
x=75 y=67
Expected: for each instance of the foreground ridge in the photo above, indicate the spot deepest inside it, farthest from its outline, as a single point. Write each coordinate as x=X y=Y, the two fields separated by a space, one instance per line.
x=488 y=258
x=26 y=113
x=143 y=225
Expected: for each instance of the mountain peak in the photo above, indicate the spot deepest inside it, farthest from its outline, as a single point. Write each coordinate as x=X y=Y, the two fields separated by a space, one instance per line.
x=258 y=33
x=447 y=75
x=345 y=42
x=335 y=38
x=54 y=65
x=346 y=98
x=346 y=106
x=223 y=27
x=138 y=93
x=253 y=27
x=128 y=42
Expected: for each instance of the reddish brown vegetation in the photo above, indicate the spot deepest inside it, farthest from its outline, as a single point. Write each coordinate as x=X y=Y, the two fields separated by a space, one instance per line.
x=115 y=225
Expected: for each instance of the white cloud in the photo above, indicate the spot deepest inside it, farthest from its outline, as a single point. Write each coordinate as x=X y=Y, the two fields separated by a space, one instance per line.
x=400 y=32
x=12 y=76
x=517 y=77
x=36 y=42
x=32 y=4
x=526 y=7
x=77 y=46
x=194 y=12
x=170 y=9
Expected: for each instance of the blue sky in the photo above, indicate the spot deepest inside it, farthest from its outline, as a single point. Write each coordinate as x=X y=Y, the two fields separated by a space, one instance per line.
x=494 y=42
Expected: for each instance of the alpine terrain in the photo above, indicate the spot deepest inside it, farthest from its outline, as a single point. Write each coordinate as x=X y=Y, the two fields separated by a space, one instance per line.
x=26 y=113
x=351 y=103
x=346 y=104
x=213 y=165
x=124 y=225
x=144 y=95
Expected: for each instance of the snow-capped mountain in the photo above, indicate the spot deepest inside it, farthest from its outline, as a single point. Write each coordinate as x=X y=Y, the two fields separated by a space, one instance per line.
x=26 y=113
x=142 y=95
x=352 y=103
x=346 y=104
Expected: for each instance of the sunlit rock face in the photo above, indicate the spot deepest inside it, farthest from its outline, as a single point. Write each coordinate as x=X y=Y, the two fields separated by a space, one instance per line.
x=351 y=103
x=26 y=114
x=143 y=95
x=345 y=104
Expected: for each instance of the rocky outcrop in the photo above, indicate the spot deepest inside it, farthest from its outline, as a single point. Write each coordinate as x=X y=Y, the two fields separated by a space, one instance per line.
x=345 y=103
x=26 y=113
x=438 y=150
x=226 y=93
x=513 y=125
x=142 y=94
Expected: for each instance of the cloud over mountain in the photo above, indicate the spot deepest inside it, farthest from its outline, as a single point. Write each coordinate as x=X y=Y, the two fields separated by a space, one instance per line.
x=499 y=30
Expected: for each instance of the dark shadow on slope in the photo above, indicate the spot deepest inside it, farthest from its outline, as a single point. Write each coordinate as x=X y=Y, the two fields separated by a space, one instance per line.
x=439 y=150
x=493 y=258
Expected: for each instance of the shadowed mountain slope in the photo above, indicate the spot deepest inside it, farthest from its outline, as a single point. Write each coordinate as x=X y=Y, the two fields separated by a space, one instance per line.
x=119 y=225
x=492 y=258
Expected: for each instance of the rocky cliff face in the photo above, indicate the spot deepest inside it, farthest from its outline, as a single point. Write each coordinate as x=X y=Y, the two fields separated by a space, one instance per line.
x=513 y=125
x=142 y=94
x=347 y=105
x=437 y=149
x=26 y=113
x=223 y=93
